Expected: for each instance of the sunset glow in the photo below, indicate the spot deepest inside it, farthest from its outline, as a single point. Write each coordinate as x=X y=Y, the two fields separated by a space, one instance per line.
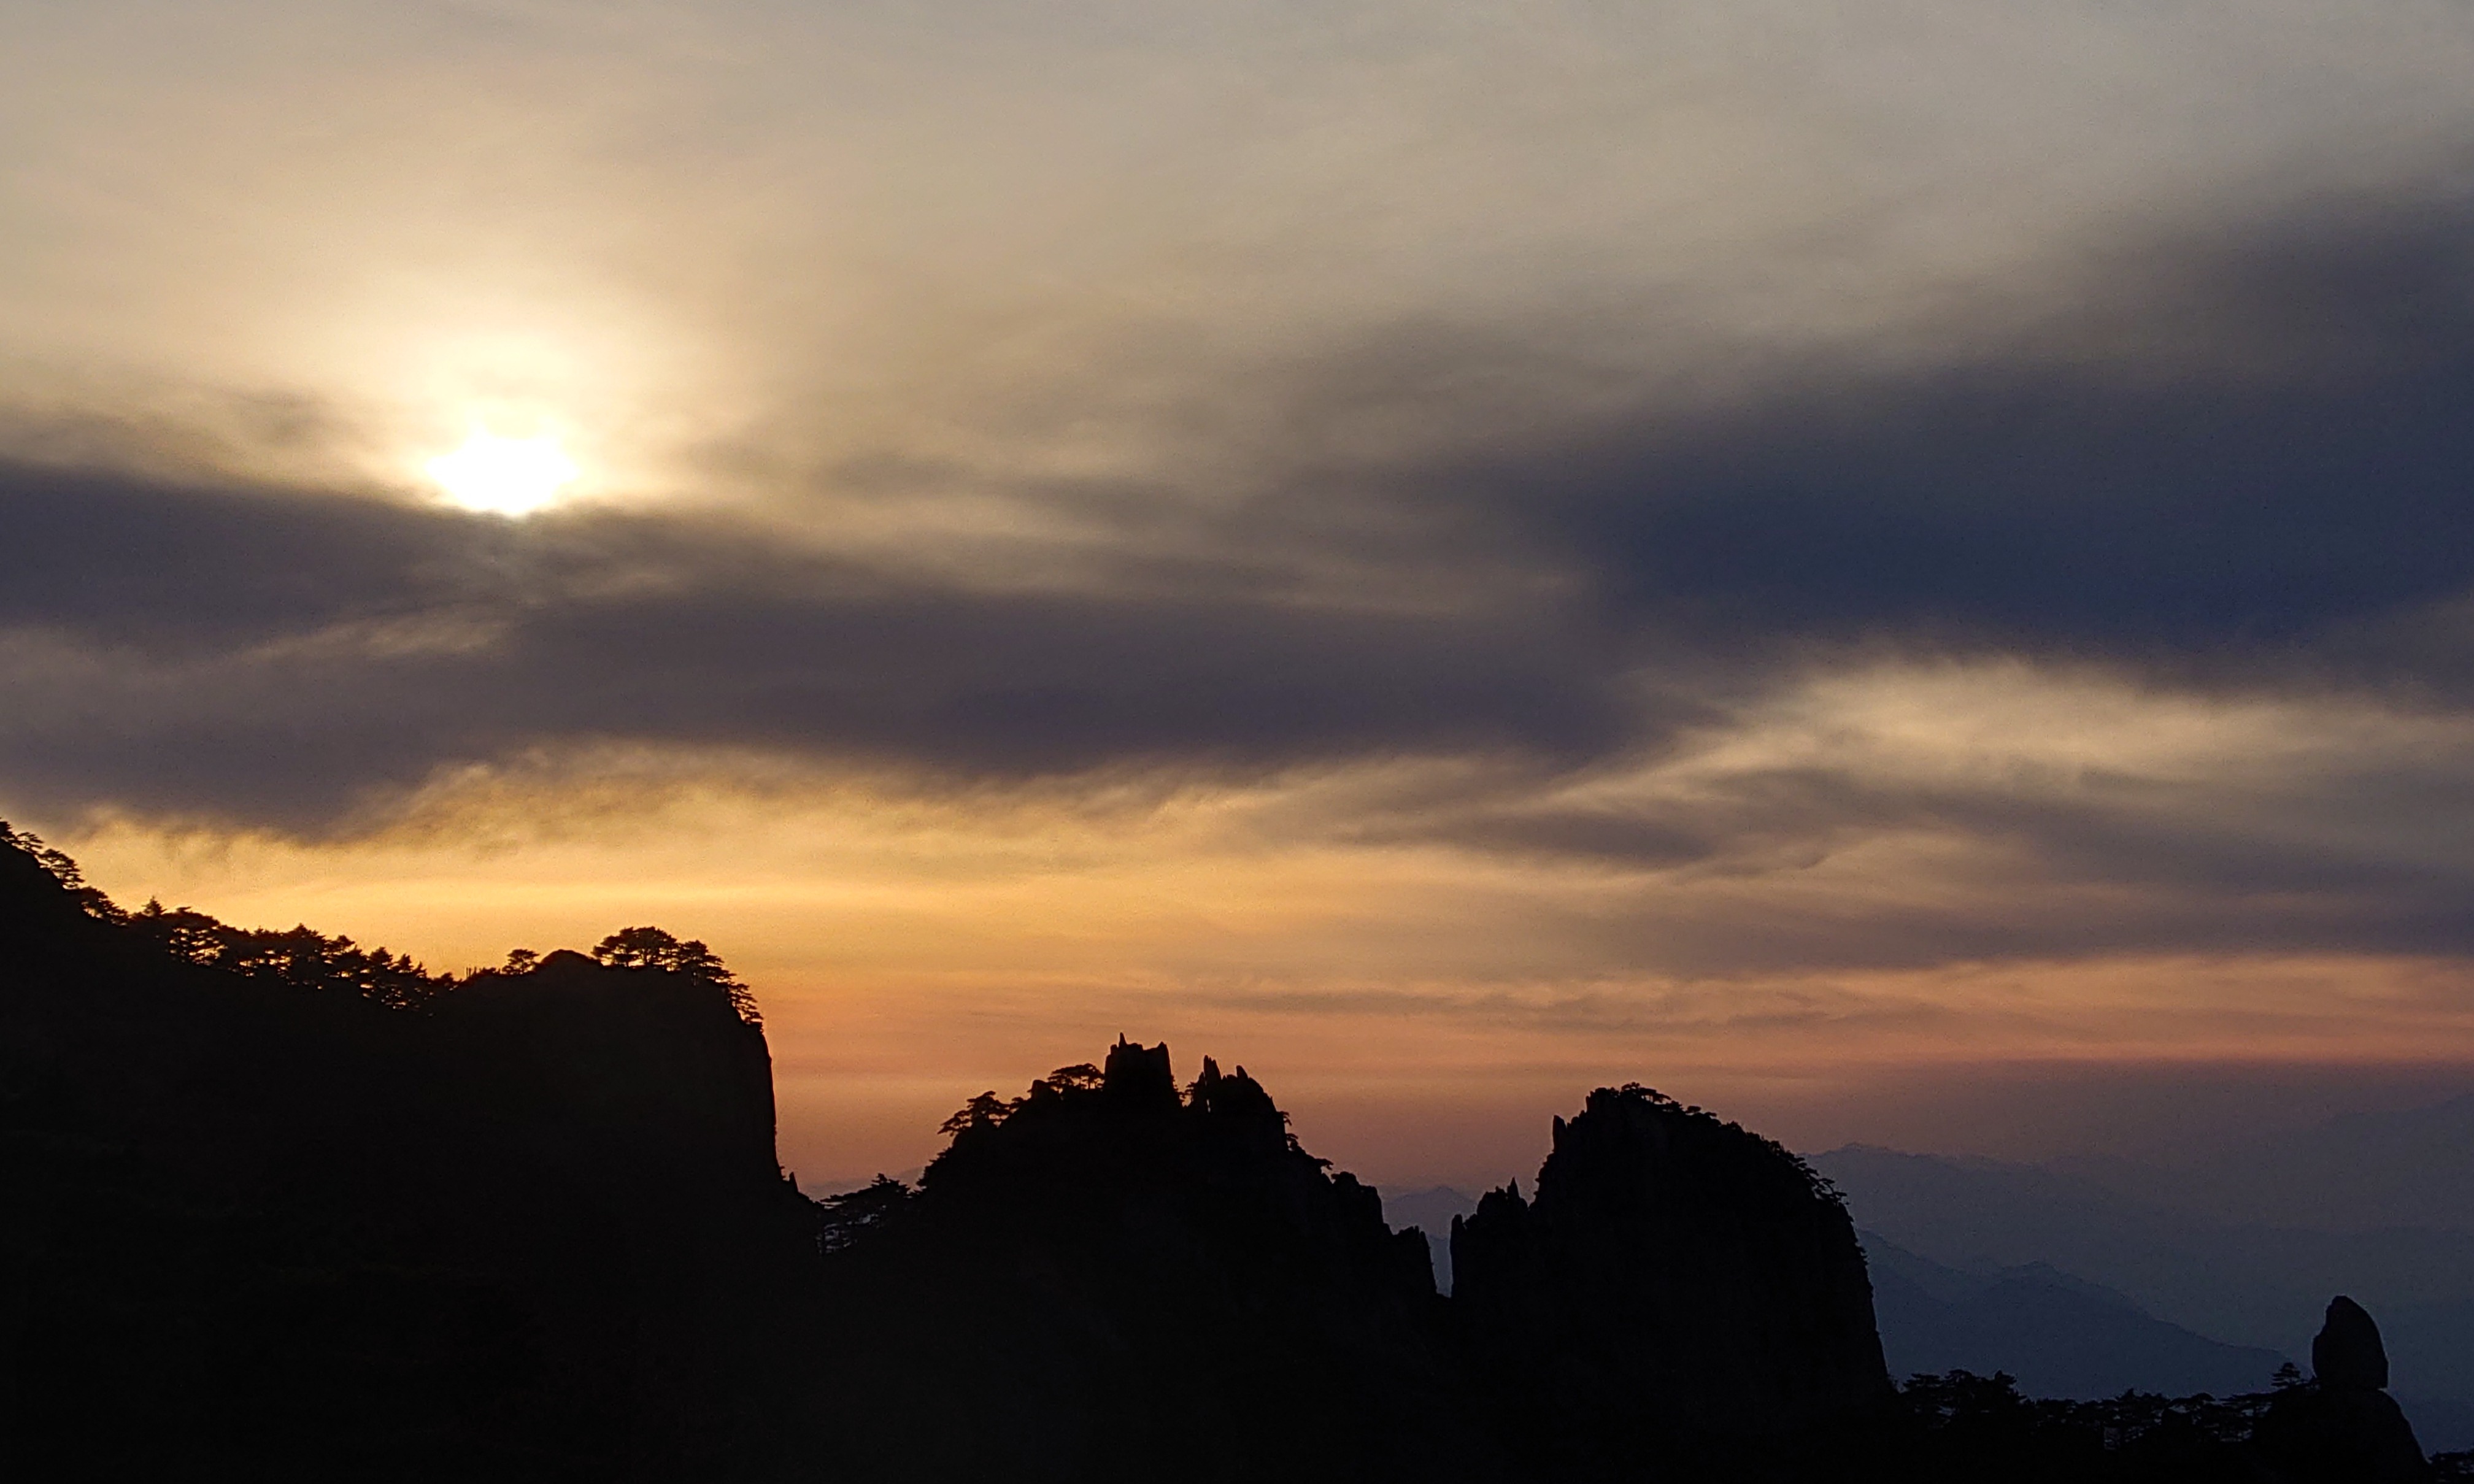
x=493 y=475
x=1441 y=554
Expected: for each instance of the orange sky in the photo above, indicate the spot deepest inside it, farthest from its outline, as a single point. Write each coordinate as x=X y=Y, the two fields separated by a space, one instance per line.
x=1421 y=1008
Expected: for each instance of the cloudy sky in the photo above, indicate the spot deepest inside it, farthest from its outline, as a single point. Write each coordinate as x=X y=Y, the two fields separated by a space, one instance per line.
x=1904 y=568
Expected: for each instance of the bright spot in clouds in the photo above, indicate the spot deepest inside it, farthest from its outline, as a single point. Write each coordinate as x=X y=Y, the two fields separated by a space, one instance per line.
x=503 y=475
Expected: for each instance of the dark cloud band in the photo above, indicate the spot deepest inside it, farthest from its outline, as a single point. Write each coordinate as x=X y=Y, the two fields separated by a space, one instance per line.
x=2273 y=475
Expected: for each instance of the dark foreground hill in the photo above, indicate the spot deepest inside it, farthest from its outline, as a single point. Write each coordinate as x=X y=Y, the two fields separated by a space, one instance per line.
x=533 y=1229
x=1169 y=1277
x=1679 y=1286
x=277 y=1208
x=1133 y=1278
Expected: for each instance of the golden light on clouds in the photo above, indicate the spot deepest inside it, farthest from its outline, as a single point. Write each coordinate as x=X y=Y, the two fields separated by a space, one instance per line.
x=914 y=946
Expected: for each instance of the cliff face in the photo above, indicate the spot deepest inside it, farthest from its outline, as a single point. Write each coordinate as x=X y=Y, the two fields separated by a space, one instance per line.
x=1676 y=1280
x=533 y=1231
x=604 y=1144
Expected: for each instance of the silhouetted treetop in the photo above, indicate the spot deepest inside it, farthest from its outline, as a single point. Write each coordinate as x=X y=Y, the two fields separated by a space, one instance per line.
x=985 y=1112
x=651 y=948
x=58 y=866
x=1698 y=1145
x=299 y=957
x=304 y=959
x=1081 y=1077
x=847 y=1217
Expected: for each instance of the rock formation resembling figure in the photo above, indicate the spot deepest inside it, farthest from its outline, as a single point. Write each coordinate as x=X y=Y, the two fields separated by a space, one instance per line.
x=2346 y=1355
x=2344 y=1427
x=1679 y=1282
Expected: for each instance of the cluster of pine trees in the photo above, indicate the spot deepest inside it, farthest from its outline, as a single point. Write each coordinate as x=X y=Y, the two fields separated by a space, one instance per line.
x=307 y=958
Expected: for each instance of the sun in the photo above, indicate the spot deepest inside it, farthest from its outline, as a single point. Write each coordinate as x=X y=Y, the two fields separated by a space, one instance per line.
x=500 y=475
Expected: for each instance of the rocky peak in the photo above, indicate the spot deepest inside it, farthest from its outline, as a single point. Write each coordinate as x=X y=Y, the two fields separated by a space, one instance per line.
x=1137 y=1076
x=2347 y=1355
x=1676 y=1277
x=2344 y=1427
x=1183 y=1273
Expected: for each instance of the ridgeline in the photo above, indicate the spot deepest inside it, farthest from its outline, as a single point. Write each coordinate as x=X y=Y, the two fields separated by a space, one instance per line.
x=277 y=1206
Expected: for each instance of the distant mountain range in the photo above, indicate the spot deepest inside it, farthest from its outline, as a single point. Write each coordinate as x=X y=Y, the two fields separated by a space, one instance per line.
x=2362 y=1172
x=2242 y=1251
x=2059 y=1335
x=1431 y=1211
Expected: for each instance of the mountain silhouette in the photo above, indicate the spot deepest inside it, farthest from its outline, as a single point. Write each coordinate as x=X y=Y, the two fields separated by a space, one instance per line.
x=1679 y=1284
x=262 y=1225
x=279 y=1206
x=1169 y=1277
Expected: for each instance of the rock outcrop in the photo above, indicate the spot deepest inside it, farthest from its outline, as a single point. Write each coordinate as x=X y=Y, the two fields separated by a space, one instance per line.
x=2347 y=1354
x=1678 y=1287
x=2342 y=1427
x=1149 y=1282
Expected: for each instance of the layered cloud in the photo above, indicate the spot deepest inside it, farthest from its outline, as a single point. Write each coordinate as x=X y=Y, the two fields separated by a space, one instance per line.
x=2269 y=501
x=1707 y=521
